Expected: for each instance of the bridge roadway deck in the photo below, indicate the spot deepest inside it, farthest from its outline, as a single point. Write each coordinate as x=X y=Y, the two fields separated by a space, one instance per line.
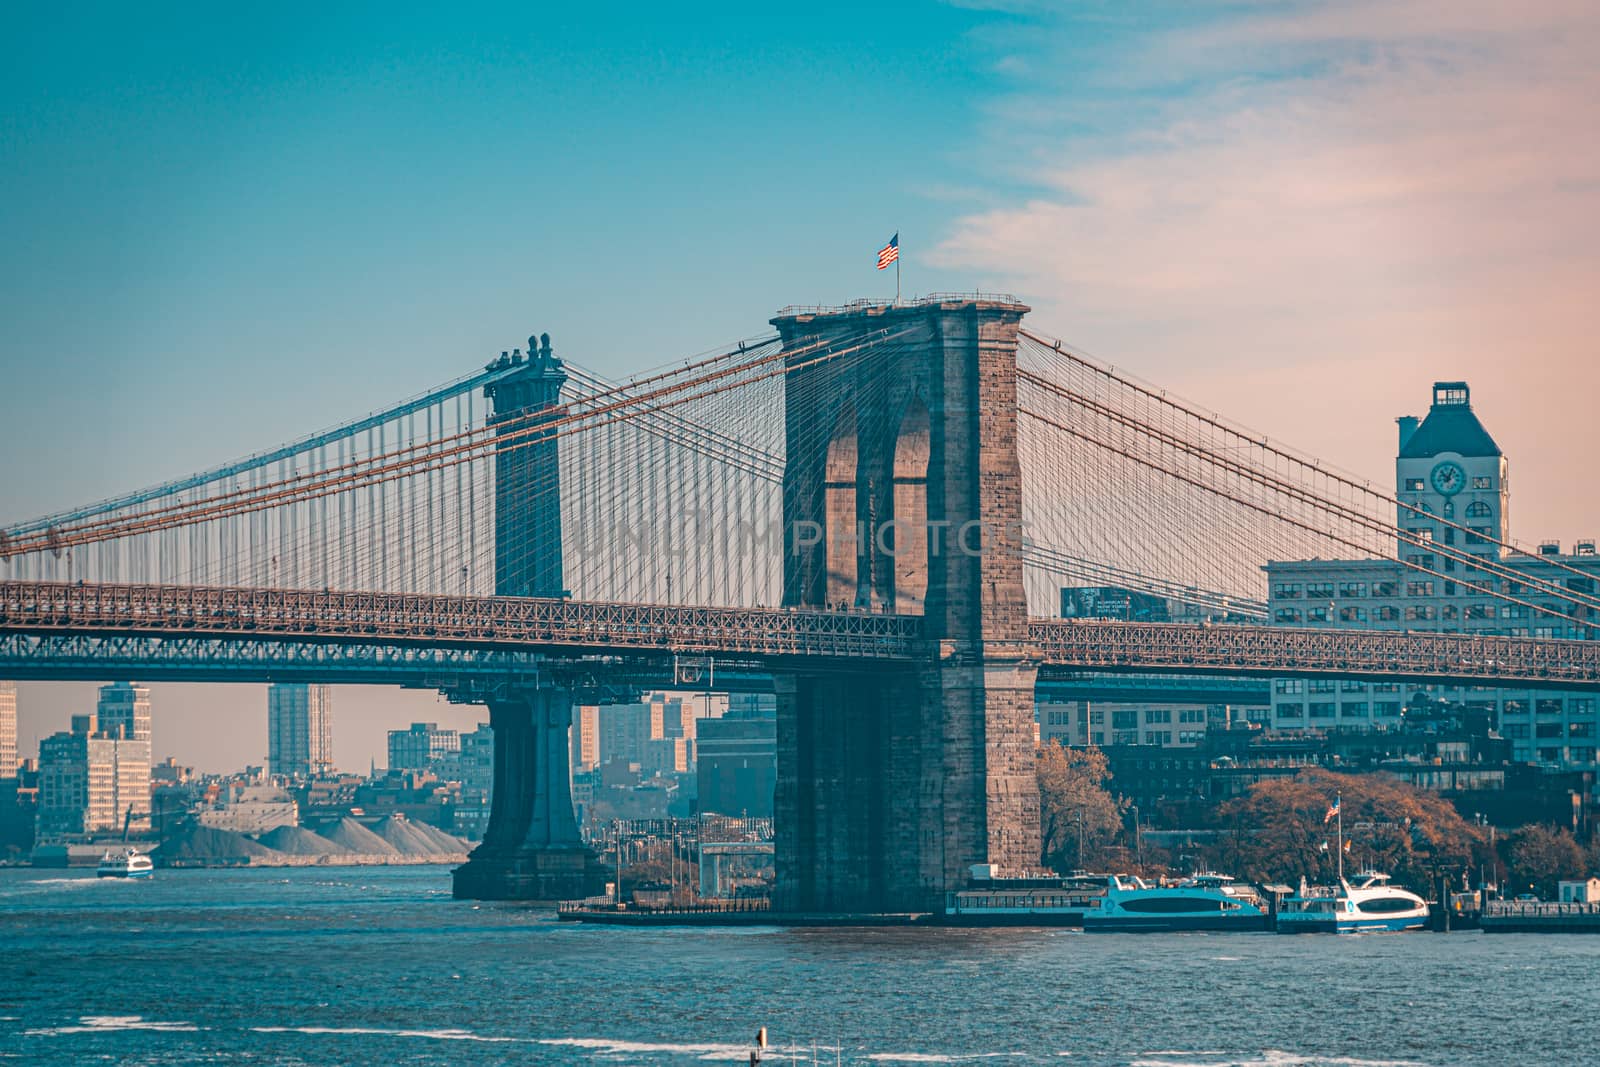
x=558 y=626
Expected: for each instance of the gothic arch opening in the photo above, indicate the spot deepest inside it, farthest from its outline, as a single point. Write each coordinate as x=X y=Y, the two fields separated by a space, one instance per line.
x=910 y=541
x=839 y=509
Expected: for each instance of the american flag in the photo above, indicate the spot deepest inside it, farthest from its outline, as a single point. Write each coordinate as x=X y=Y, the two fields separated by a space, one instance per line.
x=889 y=252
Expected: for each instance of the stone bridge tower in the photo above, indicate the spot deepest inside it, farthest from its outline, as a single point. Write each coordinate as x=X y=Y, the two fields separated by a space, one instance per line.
x=903 y=493
x=531 y=849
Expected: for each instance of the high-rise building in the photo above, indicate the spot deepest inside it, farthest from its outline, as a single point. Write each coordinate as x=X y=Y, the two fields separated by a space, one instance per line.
x=476 y=775
x=421 y=746
x=299 y=730
x=124 y=711
x=8 y=729
x=585 y=737
x=1450 y=474
x=92 y=781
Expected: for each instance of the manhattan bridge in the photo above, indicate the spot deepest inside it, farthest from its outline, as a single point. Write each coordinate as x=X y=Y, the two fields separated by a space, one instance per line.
x=870 y=509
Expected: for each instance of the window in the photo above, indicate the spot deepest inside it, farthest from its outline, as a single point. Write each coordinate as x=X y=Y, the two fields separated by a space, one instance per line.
x=1320 y=710
x=1479 y=611
x=1316 y=614
x=1386 y=687
x=1097 y=716
x=1421 y=533
x=1516 y=707
x=1550 y=755
x=1480 y=534
x=1547 y=729
x=1448 y=535
x=1424 y=588
x=1482 y=481
x=1515 y=731
x=1286 y=615
x=1318 y=590
x=1158 y=737
x=1416 y=612
x=1153 y=715
x=1124 y=720
x=1348 y=589
x=1582 y=705
x=1352 y=687
x=1548 y=706
x=1385 y=588
x=1192 y=715
x=1449 y=511
x=1581 y=585
x=1290 y=711
x=1387 y=709
x=1357 y=710
x=1449 y=610
x=1479 y=510
x=1352 y=614
x=1414 y=485
x=1580 y=729
x=1387 y=613
x=1286 y=590
x=1321 y=685
x=1191 y=737
x=1513 y=611
x=1289 y=685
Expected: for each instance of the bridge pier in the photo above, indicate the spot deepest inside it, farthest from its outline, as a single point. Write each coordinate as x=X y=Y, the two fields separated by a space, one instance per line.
x=531 y=849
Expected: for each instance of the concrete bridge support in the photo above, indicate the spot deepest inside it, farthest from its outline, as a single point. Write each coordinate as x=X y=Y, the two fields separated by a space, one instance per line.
x=891 y=786
x=531 y=849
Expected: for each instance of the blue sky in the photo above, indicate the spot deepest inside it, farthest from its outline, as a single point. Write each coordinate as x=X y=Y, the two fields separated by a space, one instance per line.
x=221 y=232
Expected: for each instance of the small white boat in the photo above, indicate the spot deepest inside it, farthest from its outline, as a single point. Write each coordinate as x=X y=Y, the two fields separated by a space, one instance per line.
x=1203 y=901
x=125 y=863
x=1368 y=904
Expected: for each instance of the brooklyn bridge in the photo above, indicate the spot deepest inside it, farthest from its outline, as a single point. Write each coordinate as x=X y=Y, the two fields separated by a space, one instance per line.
x=870 y=509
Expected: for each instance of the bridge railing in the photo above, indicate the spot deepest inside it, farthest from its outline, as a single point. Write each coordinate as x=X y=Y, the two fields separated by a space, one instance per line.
x=45 y=607
x=1284 y=650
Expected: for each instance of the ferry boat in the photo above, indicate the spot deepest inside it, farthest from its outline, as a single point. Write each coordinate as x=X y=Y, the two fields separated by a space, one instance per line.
x=1203 y=901
x=125 y=863
x=1365 y=905
x=1024 y=899
x=1368 y=905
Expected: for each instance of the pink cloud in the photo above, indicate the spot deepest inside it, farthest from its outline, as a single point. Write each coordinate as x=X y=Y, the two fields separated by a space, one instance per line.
x=1308 y=253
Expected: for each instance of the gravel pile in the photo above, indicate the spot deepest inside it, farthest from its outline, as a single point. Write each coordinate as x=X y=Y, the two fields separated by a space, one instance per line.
x=406 y=837
x=443 y=843
x=355 y=839
x=209 y=843
x=298 y=841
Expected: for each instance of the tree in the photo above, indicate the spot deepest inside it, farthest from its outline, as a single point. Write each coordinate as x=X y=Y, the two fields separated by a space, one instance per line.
x=1078 y=818
x=1541 y=856
x=1278 y=832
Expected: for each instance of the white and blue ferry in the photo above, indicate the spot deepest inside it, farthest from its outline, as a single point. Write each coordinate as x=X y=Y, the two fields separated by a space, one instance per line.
x=1368 y=904
x=1203 y=901
x=125 y=863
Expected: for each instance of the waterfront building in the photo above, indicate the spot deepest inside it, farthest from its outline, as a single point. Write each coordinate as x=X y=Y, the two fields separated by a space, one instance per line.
x=91 y=781
x=248 y=808
x=422 y=746
x=299 y=730
x=1099 y=723
x=737 y=767
x=1448 y=467
x=626 y=729
x=8 y=730
x=123 y=711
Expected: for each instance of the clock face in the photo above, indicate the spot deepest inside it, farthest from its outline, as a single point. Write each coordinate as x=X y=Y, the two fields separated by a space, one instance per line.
x=1448 y=478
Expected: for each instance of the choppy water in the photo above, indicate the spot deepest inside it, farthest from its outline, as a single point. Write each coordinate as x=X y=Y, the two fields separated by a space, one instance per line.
x=380 y=966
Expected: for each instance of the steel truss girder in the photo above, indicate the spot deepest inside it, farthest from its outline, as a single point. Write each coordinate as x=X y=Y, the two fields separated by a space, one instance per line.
x=521 y=623
x=1244 y=651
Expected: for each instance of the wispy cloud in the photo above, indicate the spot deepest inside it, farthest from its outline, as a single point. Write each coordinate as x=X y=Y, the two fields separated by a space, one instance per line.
x=1306 y=211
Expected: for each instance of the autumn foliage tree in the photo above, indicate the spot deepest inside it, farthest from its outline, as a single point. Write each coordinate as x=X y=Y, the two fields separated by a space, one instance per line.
x=1078 y=818
x=1541 y=856
x=1278 y=832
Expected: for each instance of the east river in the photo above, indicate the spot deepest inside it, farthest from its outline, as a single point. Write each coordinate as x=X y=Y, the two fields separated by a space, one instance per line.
x=380 y=966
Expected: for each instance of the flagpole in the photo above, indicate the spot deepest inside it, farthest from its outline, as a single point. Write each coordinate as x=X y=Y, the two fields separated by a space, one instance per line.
x=1338 y=803
x=897 y=269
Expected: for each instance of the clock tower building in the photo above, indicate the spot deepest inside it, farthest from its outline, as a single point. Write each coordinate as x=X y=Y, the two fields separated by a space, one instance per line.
x=1448 y=466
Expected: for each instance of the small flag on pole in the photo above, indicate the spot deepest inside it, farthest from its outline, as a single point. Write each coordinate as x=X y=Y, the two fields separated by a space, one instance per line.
x=889 y=253
x=1333 y=809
